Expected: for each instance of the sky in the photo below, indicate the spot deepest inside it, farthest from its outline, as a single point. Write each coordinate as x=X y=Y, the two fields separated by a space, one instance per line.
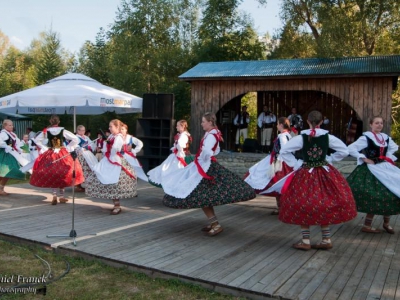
x=77 y=21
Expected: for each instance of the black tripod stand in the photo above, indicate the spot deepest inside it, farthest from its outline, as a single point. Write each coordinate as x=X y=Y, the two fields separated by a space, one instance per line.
x=72 y=233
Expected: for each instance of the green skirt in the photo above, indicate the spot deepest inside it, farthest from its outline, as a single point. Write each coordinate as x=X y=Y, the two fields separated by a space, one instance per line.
x=371 y=196
x=9 y=167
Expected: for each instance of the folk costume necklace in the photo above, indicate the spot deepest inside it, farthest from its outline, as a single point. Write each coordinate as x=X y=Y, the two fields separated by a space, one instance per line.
x=381 y=142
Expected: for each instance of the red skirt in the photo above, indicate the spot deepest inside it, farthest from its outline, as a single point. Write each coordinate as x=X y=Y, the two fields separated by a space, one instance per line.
x=278 y=176
x=317 y=198
x=48 y=172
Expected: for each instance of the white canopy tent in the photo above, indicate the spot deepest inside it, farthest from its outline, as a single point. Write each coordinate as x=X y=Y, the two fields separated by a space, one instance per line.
x=71 y=93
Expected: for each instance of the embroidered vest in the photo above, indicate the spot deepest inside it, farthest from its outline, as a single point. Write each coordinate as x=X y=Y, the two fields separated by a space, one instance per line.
x=314 y=151
x=373 y=150
x=83 y=143
x=9 y=141
x=55 y=141
x=277 y=145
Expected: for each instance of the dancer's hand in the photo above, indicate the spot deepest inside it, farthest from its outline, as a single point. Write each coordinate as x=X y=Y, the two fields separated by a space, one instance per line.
x=368 y=161
x=74 y=154
x=8 y=149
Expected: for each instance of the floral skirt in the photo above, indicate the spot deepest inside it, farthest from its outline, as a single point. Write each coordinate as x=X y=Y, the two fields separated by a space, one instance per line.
x=55 y=170
x=278 y=176
x=317 y=198
x=126 y=187
x=9 y=166
x=226 y=188
x=371 y=196
x=85 y=167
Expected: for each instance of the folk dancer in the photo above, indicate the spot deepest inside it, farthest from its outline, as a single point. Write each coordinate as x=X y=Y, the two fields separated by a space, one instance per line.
x=316 y=193
x=178 y=159
x=205 y=183
x=56 y=164
x=266 y=121
x=99 y=145
x=85 y=155
x=131 y=148
x=269 y=170
x=10 y=156
x=113 y=177
x=375 y=180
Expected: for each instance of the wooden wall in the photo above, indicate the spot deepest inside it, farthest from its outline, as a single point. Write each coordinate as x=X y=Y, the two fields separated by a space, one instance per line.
x=368 y=96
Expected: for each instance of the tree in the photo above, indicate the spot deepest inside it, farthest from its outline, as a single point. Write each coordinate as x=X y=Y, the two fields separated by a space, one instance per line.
x=50 y=63
x=226 y=35
x=94 y=58
x=343 y=28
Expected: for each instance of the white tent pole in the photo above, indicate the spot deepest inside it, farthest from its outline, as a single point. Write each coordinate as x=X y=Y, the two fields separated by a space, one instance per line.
x=74 y=119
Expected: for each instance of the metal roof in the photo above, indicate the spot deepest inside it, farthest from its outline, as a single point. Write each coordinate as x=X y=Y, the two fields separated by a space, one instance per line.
x=310 y=67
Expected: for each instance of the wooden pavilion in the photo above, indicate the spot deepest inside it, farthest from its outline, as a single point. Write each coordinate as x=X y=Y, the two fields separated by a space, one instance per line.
x=333 y=86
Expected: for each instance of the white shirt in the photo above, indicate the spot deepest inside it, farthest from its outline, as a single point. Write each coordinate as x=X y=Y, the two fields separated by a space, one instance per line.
x=265 y=119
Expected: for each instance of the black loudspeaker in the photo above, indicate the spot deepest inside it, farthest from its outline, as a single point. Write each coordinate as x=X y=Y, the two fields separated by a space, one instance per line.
x=158 y=106
x=250 y=145
x=149 y=105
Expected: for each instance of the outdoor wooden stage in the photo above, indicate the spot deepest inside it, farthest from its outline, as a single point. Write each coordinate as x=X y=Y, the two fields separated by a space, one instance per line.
x=252 y=258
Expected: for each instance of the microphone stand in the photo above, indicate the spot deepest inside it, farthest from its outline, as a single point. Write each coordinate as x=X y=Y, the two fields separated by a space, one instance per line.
x=72 y=233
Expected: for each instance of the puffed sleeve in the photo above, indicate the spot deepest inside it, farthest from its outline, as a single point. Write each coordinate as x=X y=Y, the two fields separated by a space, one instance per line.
x=287 y=150
x=340 y=148
x=181 y=145
x=392 y=148
x=138 y=145
x=74 y=140
x=208 y=144
x=356 y=147
x=40 y=141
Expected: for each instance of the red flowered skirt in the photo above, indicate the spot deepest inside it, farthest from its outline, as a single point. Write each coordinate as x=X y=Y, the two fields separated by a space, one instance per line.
x=278 y=176
x=48 y=172
x=317 y=198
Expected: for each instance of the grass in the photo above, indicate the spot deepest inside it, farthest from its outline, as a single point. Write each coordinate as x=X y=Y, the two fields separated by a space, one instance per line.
x=77 y=278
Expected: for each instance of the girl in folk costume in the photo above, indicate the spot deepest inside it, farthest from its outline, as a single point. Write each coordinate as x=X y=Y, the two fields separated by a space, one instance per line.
x=178 y=159
x=205 y=183
x=11 y=157
x=129 y=152
x=56 y=163
x=99 y=145
x=316 y=194
x=85 y=155
x=24 y=145
x=113 y=177
x=375 y=181
x=268 y=171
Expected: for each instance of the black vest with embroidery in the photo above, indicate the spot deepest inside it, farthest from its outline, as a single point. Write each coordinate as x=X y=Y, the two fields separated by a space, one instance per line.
x=277 y=146
x=315 y=150
x=55 y=141
x=9 y=141
x=373 y=150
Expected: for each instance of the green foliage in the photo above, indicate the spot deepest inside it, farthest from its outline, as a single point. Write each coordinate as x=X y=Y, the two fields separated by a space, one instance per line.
x=49 y=64
x=78 y=278
x=250 y=100
x=225 y=35
x=342 y=28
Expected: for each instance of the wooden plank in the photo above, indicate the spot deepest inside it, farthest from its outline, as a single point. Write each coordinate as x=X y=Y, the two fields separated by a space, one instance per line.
x=307 y=279
x=363 y=273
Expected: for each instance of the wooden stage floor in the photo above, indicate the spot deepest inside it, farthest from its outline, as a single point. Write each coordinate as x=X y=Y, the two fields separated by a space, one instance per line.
x=252 y=257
